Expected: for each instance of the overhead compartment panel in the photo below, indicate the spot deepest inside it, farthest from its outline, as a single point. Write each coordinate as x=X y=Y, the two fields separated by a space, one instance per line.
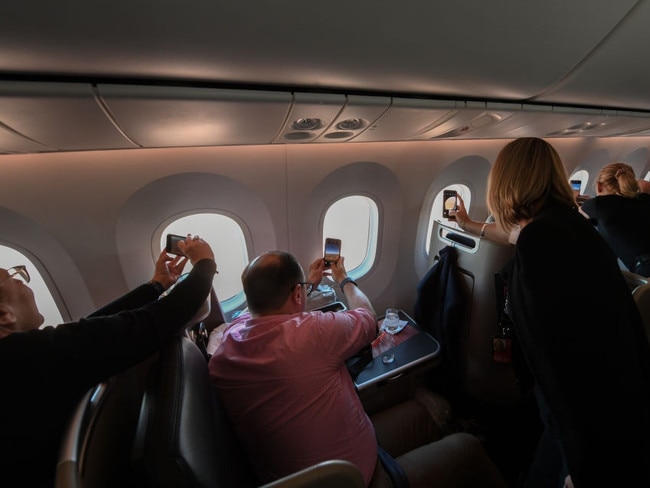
x=12 y=143
x=407 y=118
x=169 y=116
x=61 y=116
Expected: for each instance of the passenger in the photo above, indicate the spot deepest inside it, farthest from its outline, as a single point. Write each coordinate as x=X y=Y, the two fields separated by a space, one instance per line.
x=622 y=215
x=282 y=379
x=644 y=186
x=578 y=327
x=489 y=230
x=45 y=372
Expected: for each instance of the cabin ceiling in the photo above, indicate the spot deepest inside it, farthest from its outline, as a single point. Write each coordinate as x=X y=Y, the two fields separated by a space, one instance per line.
x=78 y=75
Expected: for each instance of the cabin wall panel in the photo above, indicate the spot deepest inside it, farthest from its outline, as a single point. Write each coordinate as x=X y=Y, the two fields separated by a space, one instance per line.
x=77 y=199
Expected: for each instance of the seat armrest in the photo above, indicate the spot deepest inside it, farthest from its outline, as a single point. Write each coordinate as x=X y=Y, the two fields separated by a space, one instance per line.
x=339 y=473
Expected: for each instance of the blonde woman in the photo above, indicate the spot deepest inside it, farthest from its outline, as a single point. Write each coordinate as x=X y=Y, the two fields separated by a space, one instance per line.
x=621 y=212
x=578 y=327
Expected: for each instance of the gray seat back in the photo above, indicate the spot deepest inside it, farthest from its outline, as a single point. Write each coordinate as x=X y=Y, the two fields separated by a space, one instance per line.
x=479 y=259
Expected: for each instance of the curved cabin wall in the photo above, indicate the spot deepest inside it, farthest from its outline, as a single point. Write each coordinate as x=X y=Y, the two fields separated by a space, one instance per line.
x=87 y=203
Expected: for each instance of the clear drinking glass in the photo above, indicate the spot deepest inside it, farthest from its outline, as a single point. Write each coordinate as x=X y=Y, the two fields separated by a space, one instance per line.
x=390 y=326
x=391 y=320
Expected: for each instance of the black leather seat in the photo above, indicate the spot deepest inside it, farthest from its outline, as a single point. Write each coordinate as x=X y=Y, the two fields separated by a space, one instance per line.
x=159 y=424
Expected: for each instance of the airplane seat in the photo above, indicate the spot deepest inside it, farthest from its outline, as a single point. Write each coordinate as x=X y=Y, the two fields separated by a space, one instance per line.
x=160 y=424
x=208 y=318
x=95 y=450
x=640 y=288
x=176 y=441
x=478 y=260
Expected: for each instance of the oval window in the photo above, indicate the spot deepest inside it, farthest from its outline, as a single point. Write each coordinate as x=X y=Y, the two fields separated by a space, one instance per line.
x=354 y=220
x=437 y=207
x=44 y=299
x=227 y=241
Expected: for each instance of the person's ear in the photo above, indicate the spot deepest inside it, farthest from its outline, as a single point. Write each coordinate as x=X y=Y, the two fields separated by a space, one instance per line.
x=7 y=316
x=296 y=294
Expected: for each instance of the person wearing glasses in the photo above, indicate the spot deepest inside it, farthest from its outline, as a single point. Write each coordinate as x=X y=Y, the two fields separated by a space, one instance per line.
x=281 y=377
x=44 y=372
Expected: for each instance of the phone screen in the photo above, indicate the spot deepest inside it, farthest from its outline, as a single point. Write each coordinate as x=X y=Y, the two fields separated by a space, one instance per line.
x=449 y=202
x=172 y=244
x=576 y=185
x=332 y=250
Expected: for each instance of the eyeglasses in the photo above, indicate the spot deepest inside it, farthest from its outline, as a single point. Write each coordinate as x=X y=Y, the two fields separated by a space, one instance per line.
x=309 y=287
x=20 y=271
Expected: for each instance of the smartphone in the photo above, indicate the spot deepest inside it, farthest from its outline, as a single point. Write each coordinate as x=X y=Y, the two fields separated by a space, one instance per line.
x=332 y=251
x=449 y=202
x=576 y=185
x=172 y=244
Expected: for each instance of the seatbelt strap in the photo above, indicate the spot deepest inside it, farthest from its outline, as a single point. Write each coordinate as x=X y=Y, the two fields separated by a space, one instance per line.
x=394 y=470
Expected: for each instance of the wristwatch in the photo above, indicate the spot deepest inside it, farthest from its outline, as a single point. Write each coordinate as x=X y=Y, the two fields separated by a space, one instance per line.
x=347 y=280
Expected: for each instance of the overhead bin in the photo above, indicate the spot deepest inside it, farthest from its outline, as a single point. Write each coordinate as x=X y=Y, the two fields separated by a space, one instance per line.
x=470 y=119
x=45 y=117
x=169 y=116
x=408 y=117
x=54 y=117
x=11 y=142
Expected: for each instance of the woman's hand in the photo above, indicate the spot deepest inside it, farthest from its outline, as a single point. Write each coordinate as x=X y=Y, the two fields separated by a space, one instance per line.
x=460 y=214
x=168 y=269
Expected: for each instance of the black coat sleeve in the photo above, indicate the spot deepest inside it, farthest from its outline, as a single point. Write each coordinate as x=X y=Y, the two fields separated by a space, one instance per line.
x=97 y=347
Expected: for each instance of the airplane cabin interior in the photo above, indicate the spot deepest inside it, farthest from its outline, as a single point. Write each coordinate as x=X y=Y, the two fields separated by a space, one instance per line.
x=275 y=125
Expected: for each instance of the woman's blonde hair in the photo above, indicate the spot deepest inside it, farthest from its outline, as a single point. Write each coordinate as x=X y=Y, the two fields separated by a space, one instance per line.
x=527 y=172
x=619 y=179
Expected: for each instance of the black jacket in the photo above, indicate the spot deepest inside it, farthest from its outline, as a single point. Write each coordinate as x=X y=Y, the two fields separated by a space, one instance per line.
x=624 y=222
x=440 y=311
x=44 y=373
x=584 y=341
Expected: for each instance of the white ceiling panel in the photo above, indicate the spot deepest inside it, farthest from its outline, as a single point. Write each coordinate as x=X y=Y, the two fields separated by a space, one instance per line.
x=616 y=73
x=221 y=73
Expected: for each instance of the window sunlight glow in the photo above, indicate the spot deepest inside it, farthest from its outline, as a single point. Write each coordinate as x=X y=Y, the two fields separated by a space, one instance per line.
x=354 y=220
x=44 y=301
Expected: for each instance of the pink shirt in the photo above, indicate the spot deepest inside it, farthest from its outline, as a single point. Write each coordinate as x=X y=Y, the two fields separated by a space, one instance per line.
x=284 y=384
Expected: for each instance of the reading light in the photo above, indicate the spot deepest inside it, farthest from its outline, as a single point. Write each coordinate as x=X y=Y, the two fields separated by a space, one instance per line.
x=350 y=124
x=306 y=124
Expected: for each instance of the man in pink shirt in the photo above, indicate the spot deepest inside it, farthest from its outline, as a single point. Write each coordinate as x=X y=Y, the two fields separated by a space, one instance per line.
x=281 y=376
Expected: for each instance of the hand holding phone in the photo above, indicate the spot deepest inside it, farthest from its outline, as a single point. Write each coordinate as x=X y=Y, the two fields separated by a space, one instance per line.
x=172 y=244
x=332 y=251
x=449 y=202
x=576 y=185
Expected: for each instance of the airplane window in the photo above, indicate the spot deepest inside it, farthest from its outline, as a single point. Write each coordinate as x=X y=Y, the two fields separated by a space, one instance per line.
x=44 y=300
x=583 y=176
x=226 y=238
x=354 y=220
x=436 y=209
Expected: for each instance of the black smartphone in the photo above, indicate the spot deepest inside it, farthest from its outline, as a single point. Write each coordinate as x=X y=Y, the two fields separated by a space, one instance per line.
x=576 y=185
x=332 y=251
x=449 y=202
x=172 y=244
